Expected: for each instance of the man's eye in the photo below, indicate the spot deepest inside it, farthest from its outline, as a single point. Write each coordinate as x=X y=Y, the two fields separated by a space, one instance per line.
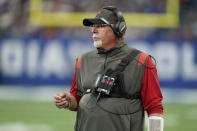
x=99 y=26
x=103 y=25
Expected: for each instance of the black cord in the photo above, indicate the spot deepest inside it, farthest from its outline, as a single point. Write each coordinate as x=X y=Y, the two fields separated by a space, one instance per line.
x=153 y=58
x=149 y=67
x=98 y=97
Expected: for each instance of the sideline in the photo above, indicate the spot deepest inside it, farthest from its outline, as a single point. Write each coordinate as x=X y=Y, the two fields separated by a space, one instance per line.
x=46 y=93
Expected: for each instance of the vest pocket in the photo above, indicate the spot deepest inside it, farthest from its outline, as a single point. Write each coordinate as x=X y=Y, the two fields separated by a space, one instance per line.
x=92 y=116
x=120 y=106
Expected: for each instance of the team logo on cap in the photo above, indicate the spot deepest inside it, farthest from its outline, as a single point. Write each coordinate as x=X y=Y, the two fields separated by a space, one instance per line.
x=114 y=20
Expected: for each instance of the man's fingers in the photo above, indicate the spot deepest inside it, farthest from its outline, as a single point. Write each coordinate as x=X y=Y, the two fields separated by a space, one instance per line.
x=62 y=100
x=63 y=104
x=57 y=97
x=57 y=100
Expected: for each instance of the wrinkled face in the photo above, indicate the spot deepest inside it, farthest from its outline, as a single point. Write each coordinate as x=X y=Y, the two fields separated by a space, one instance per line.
x=103 y=36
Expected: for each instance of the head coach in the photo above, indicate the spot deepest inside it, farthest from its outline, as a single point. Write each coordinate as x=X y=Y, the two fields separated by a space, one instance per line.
x=114 y=84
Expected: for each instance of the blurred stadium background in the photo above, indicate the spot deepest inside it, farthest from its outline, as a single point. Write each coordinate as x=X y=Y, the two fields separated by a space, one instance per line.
x=41 y=39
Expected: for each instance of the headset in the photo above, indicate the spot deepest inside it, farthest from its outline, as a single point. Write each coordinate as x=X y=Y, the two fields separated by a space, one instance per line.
x=120 y=27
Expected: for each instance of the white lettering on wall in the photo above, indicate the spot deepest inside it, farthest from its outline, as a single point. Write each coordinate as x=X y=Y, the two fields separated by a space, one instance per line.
x=53 y=61
x=19 y=59
x=12 y=57
x=166 y=54
x=189 y=66
x=33 y=52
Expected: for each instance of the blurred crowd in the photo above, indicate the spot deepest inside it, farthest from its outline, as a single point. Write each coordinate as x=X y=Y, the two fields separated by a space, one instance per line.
x=14 y=18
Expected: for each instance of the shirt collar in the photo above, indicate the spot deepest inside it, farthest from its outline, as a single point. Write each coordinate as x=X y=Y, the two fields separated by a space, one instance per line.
x=112 y=50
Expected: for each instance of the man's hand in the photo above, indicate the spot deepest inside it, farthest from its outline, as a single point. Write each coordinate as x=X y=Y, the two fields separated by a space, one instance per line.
x=63 y=100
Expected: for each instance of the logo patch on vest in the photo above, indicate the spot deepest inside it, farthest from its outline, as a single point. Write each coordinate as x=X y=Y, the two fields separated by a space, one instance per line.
x=118 y=61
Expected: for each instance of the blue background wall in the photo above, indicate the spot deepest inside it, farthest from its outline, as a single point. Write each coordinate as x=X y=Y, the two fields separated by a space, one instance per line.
x=35 y=61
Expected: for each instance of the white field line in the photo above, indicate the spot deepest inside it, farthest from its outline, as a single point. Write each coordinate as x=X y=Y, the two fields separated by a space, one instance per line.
x=46 y=93
x=23 y=127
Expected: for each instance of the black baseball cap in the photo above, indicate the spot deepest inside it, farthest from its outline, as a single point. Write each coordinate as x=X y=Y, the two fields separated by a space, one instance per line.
x=104 y=16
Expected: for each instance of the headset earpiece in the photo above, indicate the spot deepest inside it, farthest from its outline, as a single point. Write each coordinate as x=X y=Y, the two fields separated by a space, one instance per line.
x=120 y=27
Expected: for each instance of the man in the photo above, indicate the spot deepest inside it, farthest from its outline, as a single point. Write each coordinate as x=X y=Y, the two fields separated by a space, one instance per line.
x=113 y=84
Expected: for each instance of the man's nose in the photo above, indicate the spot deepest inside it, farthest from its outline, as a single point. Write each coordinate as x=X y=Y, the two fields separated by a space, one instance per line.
x=94 y=30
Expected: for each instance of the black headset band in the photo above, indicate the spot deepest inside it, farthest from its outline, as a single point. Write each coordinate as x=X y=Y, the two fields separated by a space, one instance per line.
x=115 y=11
x=119 y=27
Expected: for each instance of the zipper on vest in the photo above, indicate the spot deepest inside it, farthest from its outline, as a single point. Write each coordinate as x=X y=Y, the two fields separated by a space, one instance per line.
x=105 y=61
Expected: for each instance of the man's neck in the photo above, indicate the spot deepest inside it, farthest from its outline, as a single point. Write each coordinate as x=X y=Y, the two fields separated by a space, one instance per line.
x=111 y=45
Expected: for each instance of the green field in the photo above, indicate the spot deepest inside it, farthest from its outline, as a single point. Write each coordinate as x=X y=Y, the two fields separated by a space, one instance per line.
x=44 y=116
